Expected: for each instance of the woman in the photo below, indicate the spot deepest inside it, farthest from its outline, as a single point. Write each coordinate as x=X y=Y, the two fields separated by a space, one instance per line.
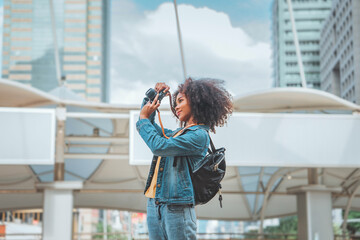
x=200 y=105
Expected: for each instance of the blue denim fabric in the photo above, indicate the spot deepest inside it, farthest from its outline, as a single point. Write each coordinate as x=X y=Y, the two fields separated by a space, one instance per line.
x=174 y=184
x=171 y=222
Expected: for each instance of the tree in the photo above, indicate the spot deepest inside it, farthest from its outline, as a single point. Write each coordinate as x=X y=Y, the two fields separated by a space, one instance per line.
x=111 y=235
x=288 y=225
x=252 y=234
x=353 y=227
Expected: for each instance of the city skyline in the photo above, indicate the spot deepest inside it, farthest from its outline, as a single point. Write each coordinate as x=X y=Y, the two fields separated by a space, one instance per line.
x=229 y=41
x=32 y=57
x=309 y=17
x=239 y=54
x=340 y=50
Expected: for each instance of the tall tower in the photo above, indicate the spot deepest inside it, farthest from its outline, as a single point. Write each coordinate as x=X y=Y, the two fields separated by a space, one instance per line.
x=309 y=17
x=340 y=51
x=82 y=30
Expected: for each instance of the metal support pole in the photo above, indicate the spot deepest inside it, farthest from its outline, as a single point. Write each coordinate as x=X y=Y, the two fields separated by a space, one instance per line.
x=297 y=46
x=75 y=223
x=347 y=210
x=313 y=177
x=105 y=224
x=130 y=225
x=58 y=206
x=56 y=48
x=267 y=196
x=314 y=206
x=180 y=39
x=59 y=169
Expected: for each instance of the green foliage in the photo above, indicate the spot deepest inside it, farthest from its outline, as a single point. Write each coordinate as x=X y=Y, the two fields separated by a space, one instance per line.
x=251 y=234
x=354 y=226
x=111 y=235
x=288 y=225
x=337 y=230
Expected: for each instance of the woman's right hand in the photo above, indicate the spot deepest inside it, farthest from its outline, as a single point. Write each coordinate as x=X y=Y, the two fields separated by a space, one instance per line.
x=149 y=108
x=162 y=86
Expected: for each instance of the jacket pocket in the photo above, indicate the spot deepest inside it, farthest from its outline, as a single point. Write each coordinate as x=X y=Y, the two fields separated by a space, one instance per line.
x=175 y=208
x=183 y=174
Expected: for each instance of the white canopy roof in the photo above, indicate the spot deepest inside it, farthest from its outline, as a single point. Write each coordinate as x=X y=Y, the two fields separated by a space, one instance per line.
x=291 y=99
x=110 y=182
x=14 y=94
x=270 y=100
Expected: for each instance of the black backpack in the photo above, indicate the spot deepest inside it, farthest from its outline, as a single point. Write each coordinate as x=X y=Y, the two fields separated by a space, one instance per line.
x=206 y=180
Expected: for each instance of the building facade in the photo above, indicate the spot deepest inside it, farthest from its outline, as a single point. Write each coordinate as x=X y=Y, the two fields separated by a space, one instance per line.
x=340 y=51
x=309 y=17
x=82 y=32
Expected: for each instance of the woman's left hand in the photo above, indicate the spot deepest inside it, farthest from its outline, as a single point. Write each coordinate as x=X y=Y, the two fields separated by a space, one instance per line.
x=149 y=108
x=160 y=86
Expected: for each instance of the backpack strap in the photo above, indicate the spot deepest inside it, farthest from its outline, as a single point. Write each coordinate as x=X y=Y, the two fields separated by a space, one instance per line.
x=213 y=149
x=182 y=131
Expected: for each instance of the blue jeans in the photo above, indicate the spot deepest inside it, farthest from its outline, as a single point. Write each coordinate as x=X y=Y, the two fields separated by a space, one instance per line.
x=170 y=222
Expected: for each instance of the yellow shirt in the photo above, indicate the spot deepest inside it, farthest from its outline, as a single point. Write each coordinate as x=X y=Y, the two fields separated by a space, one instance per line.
x=150 y=192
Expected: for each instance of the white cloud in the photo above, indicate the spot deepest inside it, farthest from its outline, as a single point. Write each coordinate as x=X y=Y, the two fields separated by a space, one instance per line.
x=145 y=50
x=259 y=30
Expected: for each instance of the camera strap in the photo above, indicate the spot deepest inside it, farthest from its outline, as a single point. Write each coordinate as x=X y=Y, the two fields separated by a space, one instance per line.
x=162 y=127
x=173 y=110
x=178 y=133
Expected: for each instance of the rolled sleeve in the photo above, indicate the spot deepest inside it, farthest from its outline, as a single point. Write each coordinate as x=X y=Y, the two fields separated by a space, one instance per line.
x=152 y=116
x=193 y=142
x=142 y=122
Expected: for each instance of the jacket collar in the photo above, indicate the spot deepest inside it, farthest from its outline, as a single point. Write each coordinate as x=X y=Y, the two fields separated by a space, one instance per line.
x=205 y=127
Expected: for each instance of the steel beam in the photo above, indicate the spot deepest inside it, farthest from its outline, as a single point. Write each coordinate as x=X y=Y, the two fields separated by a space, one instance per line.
x=118 y=140
x=98 y=115
x=108 y=156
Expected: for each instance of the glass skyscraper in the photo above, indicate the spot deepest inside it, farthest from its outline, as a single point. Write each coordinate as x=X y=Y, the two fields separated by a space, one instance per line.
x=82 y=32
x=340 y=51
x=309 y=18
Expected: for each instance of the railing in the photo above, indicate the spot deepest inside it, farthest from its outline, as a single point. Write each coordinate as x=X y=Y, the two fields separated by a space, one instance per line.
x=20 y=236
x=347 y=237
x=200 y=236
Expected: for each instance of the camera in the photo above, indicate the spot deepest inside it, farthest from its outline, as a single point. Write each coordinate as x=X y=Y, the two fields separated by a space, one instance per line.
x=151 y=94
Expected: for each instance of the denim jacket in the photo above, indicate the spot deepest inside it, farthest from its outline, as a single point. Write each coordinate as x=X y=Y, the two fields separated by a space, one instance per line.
x=174 y=184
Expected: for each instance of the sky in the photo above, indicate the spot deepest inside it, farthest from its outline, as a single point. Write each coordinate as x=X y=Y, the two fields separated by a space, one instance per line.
x=227 y=40
x=242 y=13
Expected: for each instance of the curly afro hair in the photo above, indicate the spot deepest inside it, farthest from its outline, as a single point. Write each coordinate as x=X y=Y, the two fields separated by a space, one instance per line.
x=210 y=103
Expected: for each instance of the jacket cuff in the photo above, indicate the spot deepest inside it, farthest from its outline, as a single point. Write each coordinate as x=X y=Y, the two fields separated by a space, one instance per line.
x=152 y=116
x=141 y=122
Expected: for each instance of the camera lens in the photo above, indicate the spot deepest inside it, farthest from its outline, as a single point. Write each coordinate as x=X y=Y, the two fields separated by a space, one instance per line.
x=151 y=94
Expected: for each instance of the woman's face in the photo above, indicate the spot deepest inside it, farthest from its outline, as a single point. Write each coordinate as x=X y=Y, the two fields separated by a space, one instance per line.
x=183 y=110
